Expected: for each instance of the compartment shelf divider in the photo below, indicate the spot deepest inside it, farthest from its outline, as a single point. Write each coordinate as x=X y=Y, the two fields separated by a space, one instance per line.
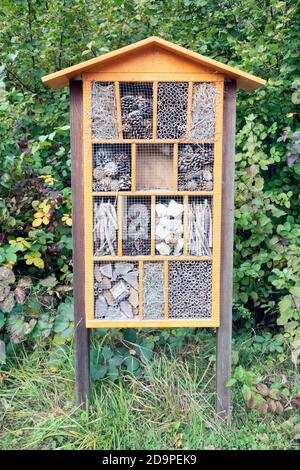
x=119 y=116
x=120 y=209
x=154 y=125
x=185 y=225
x=152 y=226
x=133 y=168
x=141 y=273
x=175 y=166
x=189 y=108
x=166 y=286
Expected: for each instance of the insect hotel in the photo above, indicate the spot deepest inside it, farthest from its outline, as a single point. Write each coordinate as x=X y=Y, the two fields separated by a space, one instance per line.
x=152 y=141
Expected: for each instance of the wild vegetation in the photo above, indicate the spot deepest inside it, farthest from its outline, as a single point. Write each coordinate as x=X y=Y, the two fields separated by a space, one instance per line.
x=38 y=37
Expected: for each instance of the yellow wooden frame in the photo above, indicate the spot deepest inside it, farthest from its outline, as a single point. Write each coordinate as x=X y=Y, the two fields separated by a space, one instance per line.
x=216 y=195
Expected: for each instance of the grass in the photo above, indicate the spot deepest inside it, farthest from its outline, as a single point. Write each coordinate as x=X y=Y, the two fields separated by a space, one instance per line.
x=171 y=407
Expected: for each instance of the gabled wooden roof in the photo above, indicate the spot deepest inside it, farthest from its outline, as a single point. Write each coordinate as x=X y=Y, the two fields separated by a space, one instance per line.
x=245 y=80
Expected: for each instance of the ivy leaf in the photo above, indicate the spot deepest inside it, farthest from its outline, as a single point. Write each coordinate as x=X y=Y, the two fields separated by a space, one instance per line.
x=131 y=363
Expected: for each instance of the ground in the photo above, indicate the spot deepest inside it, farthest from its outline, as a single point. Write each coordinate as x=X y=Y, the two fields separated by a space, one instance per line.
x=171 y=406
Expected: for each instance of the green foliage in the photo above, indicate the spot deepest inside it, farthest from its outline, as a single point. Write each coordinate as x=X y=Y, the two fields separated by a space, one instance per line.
x=35 y=196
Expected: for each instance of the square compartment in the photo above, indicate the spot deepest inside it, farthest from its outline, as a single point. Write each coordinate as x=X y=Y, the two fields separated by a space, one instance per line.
x=111 y=167
x=190 y=285
x=136 y=225
x=195 y=167
x=105 y=228
x=153 y=290
x=116 y=291
x=200 y=226
x=137 y=110
x=169 y=226
x=154 y=167
x=172 y=103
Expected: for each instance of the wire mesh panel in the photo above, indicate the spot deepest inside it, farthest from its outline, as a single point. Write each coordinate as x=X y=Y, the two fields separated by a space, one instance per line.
x=104 y=111
x=169 y=226
x=200 y=222
x=136 y=225
x=195 y=167
x=111 y=167
x=154 y=167
x=172 y=106
x=203 y=111
x=116 y=291
x=153 y=290
x=190 y=284
x=136 y=110
x=105 y=231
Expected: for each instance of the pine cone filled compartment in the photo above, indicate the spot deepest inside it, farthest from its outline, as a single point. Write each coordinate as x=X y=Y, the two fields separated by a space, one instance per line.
x=116 y=291
x=105 y=229
x=137 y=110
x=200 y=226
x=111 y=167
x=136 y=225
x=190 y=289
x=172 y=110
x=195 y=167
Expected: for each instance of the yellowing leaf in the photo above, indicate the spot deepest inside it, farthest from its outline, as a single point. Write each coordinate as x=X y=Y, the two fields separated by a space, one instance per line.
x=37 y=222
x=38 y=214
x=45 y=220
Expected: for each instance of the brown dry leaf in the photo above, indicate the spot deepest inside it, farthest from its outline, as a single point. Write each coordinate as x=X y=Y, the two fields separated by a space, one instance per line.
x=262 y=389
x=272 y=406
x=263 y=408
x=251 y=403
x=279 y=408
x=20 y=295
x=25 y=282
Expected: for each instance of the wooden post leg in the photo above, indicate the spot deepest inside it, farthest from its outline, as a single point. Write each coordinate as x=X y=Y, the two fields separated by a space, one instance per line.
x=225 y=330
x=81 y=332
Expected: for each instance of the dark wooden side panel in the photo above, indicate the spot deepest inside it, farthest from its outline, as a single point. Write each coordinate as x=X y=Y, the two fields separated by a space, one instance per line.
x=81 y=332
x=224 y=333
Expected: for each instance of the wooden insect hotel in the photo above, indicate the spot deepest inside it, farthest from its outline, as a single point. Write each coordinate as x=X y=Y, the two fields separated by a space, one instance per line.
x=152 y=140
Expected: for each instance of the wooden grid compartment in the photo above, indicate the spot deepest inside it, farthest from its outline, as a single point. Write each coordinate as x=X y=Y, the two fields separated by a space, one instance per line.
x=172 y=106
x=104 y=110
x=169 y=225
x=136 y=225
x=200 y=226
x=116 y=291
x=203 y=116
x=195 y=167
x=136 y=110
x=154 y=290
x=154 y=167
x=105 y=227
x=190 y=289
x=111 y=167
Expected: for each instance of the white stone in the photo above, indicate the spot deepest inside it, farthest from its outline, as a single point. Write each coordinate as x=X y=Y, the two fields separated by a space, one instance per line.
x=160 y=232
x=126 y=308
x=118 y=289
x=161 y=210
x=175 y=225
x=101 y=307
x=174 y=209
x=106 y=270
x=132 y=279
x=163 y=249
x=164 y=222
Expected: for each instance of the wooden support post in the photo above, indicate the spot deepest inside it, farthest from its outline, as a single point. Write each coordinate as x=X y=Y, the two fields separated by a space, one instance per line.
x=81 y=332
x=225 y=329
